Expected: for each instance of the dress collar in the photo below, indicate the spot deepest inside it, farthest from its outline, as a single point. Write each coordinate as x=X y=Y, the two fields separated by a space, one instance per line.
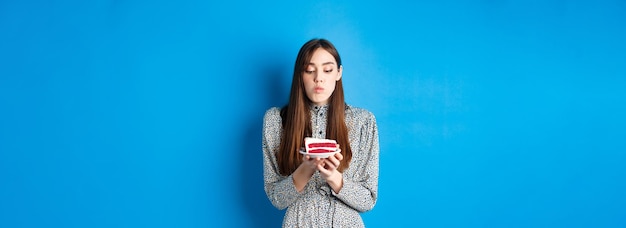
x=318 y=107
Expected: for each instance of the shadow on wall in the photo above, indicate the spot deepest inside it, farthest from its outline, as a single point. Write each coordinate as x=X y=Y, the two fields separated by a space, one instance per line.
x=260 y=211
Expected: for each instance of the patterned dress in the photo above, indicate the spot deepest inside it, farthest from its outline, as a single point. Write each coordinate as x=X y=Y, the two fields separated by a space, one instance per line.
x=318 y=205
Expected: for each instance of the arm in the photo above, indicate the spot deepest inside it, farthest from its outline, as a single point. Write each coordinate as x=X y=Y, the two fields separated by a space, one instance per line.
x=361 y=193
x=281 y=190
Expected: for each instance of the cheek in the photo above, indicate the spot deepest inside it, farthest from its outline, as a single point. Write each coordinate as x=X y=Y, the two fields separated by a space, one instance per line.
x=331 y=85
x=334 y=79
x=308 y=83
x=306 y=80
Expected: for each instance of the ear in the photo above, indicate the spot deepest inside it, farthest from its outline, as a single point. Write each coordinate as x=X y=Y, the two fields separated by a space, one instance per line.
x=339 y=73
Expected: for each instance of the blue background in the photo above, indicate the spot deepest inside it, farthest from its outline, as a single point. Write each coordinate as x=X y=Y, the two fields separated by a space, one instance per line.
x=149 y=113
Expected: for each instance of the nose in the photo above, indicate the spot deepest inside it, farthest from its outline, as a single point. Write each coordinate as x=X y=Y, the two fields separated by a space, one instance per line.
x=317 y=78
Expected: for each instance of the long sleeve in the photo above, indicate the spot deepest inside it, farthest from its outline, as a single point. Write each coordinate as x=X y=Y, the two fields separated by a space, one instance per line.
x=361 y=192
x=280 y=190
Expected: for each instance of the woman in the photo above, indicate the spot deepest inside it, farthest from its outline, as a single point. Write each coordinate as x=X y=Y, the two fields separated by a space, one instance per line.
x=320 y=192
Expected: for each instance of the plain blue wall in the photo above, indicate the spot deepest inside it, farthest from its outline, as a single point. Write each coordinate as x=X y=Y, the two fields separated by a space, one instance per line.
x=149 y=113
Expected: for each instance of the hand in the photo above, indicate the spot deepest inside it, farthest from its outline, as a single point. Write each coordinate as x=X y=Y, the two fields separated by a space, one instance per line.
x=310 y=164
x=304 y=172
x=328 y=170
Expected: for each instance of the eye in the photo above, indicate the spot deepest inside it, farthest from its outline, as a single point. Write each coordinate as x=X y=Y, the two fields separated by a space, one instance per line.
x=309 y=71
x=328 y=71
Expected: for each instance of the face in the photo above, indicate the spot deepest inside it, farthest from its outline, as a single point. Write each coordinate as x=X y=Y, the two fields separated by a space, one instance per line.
x=320 y=76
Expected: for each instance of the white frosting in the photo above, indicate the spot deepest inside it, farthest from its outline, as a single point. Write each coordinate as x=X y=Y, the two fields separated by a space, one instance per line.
x=309 y=140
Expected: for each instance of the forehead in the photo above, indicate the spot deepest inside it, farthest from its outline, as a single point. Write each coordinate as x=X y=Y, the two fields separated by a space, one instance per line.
x=322 y=57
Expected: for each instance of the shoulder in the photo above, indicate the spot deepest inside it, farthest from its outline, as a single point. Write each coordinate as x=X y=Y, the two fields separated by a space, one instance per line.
x=360 y=114
x=359 y=118
x=272 y=112
x=272 y=116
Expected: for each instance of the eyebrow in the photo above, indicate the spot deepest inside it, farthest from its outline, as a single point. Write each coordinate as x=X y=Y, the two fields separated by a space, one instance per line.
x=323 y=64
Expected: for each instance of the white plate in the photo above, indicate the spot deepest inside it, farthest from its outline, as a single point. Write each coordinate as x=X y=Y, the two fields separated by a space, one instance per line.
x=320 y=155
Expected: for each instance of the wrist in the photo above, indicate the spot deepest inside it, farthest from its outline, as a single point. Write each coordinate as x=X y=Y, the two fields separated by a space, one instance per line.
x=301 y=177
x=336 y=181
x=305 y=171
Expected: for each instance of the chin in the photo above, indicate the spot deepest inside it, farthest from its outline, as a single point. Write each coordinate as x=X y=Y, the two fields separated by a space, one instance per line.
x=319 y=100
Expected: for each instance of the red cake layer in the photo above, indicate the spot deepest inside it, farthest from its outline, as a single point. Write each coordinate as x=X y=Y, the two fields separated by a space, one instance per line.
x=315 y=145
x=320 y=151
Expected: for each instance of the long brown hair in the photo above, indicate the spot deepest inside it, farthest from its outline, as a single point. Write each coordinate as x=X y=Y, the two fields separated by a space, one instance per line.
x=296 y=115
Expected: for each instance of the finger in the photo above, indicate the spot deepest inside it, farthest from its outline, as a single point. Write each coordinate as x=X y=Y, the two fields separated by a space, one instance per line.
x=338 y=156
x=326 y=170
x=334 y=160
x=321 y=168
x=329 y=165
x=331 y=158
